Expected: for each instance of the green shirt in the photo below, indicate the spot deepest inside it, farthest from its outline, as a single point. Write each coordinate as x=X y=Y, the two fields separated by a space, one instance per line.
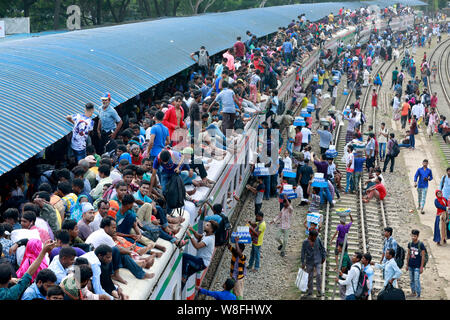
x=15 y=292
x=394 y=74
x=346 y=262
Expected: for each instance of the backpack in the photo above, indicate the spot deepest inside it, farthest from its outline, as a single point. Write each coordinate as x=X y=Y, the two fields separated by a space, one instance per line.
x=395 y=149
x=362 y=289
x=202 y=58
x=223 y=233
x=281 y=108
x=175 y=192
x=443 y=182
x=400 y=256
x=391 y=293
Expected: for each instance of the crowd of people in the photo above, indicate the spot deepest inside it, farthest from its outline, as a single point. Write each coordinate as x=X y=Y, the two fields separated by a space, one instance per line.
x=108 y=205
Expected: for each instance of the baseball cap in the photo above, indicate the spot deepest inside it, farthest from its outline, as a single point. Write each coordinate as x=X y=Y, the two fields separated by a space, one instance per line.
x=106 y=96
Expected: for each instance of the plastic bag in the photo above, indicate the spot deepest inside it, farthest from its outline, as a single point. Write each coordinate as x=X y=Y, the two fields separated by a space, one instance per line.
x=302 y=280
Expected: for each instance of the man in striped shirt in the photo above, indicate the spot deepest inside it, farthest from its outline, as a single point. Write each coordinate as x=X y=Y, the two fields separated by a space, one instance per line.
x=237 y=267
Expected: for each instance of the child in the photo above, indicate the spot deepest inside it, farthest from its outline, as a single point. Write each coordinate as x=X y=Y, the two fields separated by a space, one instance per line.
x=280 y=191
x=259 y=192
x=55 y=293
x=341 y=230
x=314 y=203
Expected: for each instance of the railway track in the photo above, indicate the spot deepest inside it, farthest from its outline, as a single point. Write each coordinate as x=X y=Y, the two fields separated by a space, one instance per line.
x=444 y=79
x=369 y=220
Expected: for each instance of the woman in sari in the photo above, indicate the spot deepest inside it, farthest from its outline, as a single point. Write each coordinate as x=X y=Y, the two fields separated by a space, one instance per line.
x=77 y=210
x=441 y=218
x=33 y=248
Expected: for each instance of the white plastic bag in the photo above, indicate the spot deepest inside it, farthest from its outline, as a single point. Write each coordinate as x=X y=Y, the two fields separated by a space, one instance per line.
x=302 y=280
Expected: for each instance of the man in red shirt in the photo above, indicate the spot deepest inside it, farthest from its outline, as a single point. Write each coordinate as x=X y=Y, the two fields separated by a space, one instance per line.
x=136 y=155
x=239 y=48
x=258 y=63
x=378 y=191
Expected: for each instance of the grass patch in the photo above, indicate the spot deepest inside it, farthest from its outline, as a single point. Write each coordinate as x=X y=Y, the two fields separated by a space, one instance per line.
x=442 y=159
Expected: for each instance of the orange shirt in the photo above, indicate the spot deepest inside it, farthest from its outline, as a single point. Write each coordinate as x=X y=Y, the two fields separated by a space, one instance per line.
x=405 y=108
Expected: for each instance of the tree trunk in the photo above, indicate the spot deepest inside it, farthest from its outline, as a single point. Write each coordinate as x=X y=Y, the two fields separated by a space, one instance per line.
x=176 y=4
x=123 y=9
x=26 y=7
x=98 y=11
x=158 y=11
x=166 y=7
x=148 y=10
x=56 y=14
x=112 y=11
x=209 y=4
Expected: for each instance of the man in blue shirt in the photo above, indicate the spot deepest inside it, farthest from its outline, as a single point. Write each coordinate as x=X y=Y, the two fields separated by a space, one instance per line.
x=109 y=122
x=221 y=295
x=171 y=162
x=227 y=101
x=424 y=175
x=358 y=166
x=390 y=269
x=159 y=137
x=38 y=290
x=287 y=50
x=389 y=243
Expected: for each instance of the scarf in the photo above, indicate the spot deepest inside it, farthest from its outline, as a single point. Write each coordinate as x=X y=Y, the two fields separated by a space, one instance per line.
x=33 y=248
x=442 y=201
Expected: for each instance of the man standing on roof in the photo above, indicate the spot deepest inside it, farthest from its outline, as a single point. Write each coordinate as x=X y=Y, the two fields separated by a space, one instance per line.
x=109 y=123
x=203 y=60
x=82 y=125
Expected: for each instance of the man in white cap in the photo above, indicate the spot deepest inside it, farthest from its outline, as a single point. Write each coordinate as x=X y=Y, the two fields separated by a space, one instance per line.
x=88 y=215
x=109 y=123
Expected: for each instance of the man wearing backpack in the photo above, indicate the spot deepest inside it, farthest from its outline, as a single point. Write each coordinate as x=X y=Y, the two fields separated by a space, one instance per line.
x=224 y=227
x=351 y=280
x=416 y=262
x=393 y=151
x=203 y=59
x=389 y=243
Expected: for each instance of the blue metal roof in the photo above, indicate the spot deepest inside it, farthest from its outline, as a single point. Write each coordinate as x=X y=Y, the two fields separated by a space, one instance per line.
x=43 y=79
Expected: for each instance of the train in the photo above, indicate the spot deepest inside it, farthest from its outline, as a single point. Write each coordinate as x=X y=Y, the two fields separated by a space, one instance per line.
x=231 y=175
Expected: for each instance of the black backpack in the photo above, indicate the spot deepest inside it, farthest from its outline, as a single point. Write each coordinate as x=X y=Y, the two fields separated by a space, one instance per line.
x=362 y=289
x=223 y=233
x=175 y=193
x=400 y=256
x=281 y=107
x=395 y=149
x=391 y=293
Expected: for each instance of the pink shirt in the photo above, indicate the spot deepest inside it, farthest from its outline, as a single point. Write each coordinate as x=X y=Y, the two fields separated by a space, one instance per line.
x=284 y=217
x=230 y=62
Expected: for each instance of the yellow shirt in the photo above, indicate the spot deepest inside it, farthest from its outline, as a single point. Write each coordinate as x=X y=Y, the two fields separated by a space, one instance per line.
x=320 y=81
x=262 y=229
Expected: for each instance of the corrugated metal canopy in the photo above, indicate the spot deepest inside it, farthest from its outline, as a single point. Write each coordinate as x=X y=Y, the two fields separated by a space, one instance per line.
x=44 y=79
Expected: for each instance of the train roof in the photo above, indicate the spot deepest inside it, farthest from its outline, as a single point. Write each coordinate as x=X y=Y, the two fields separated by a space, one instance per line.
x=43 y=79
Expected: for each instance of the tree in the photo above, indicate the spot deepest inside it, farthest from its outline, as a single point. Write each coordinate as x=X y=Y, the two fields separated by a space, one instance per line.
x=121 y=7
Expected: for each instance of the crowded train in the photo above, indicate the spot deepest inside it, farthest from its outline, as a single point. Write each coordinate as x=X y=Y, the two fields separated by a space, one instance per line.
x=145 y=198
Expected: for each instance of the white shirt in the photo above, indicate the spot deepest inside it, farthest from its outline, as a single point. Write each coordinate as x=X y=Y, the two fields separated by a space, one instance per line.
x=206 y=252
x=381 y=138
x=58 y=269
x=95 y=225
x=287 y=163
x=100 y=237
x=418 y=110
x=19 y=234
x=80 y=132
x=306 y=133
x=396 y=102
x=351 y=279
